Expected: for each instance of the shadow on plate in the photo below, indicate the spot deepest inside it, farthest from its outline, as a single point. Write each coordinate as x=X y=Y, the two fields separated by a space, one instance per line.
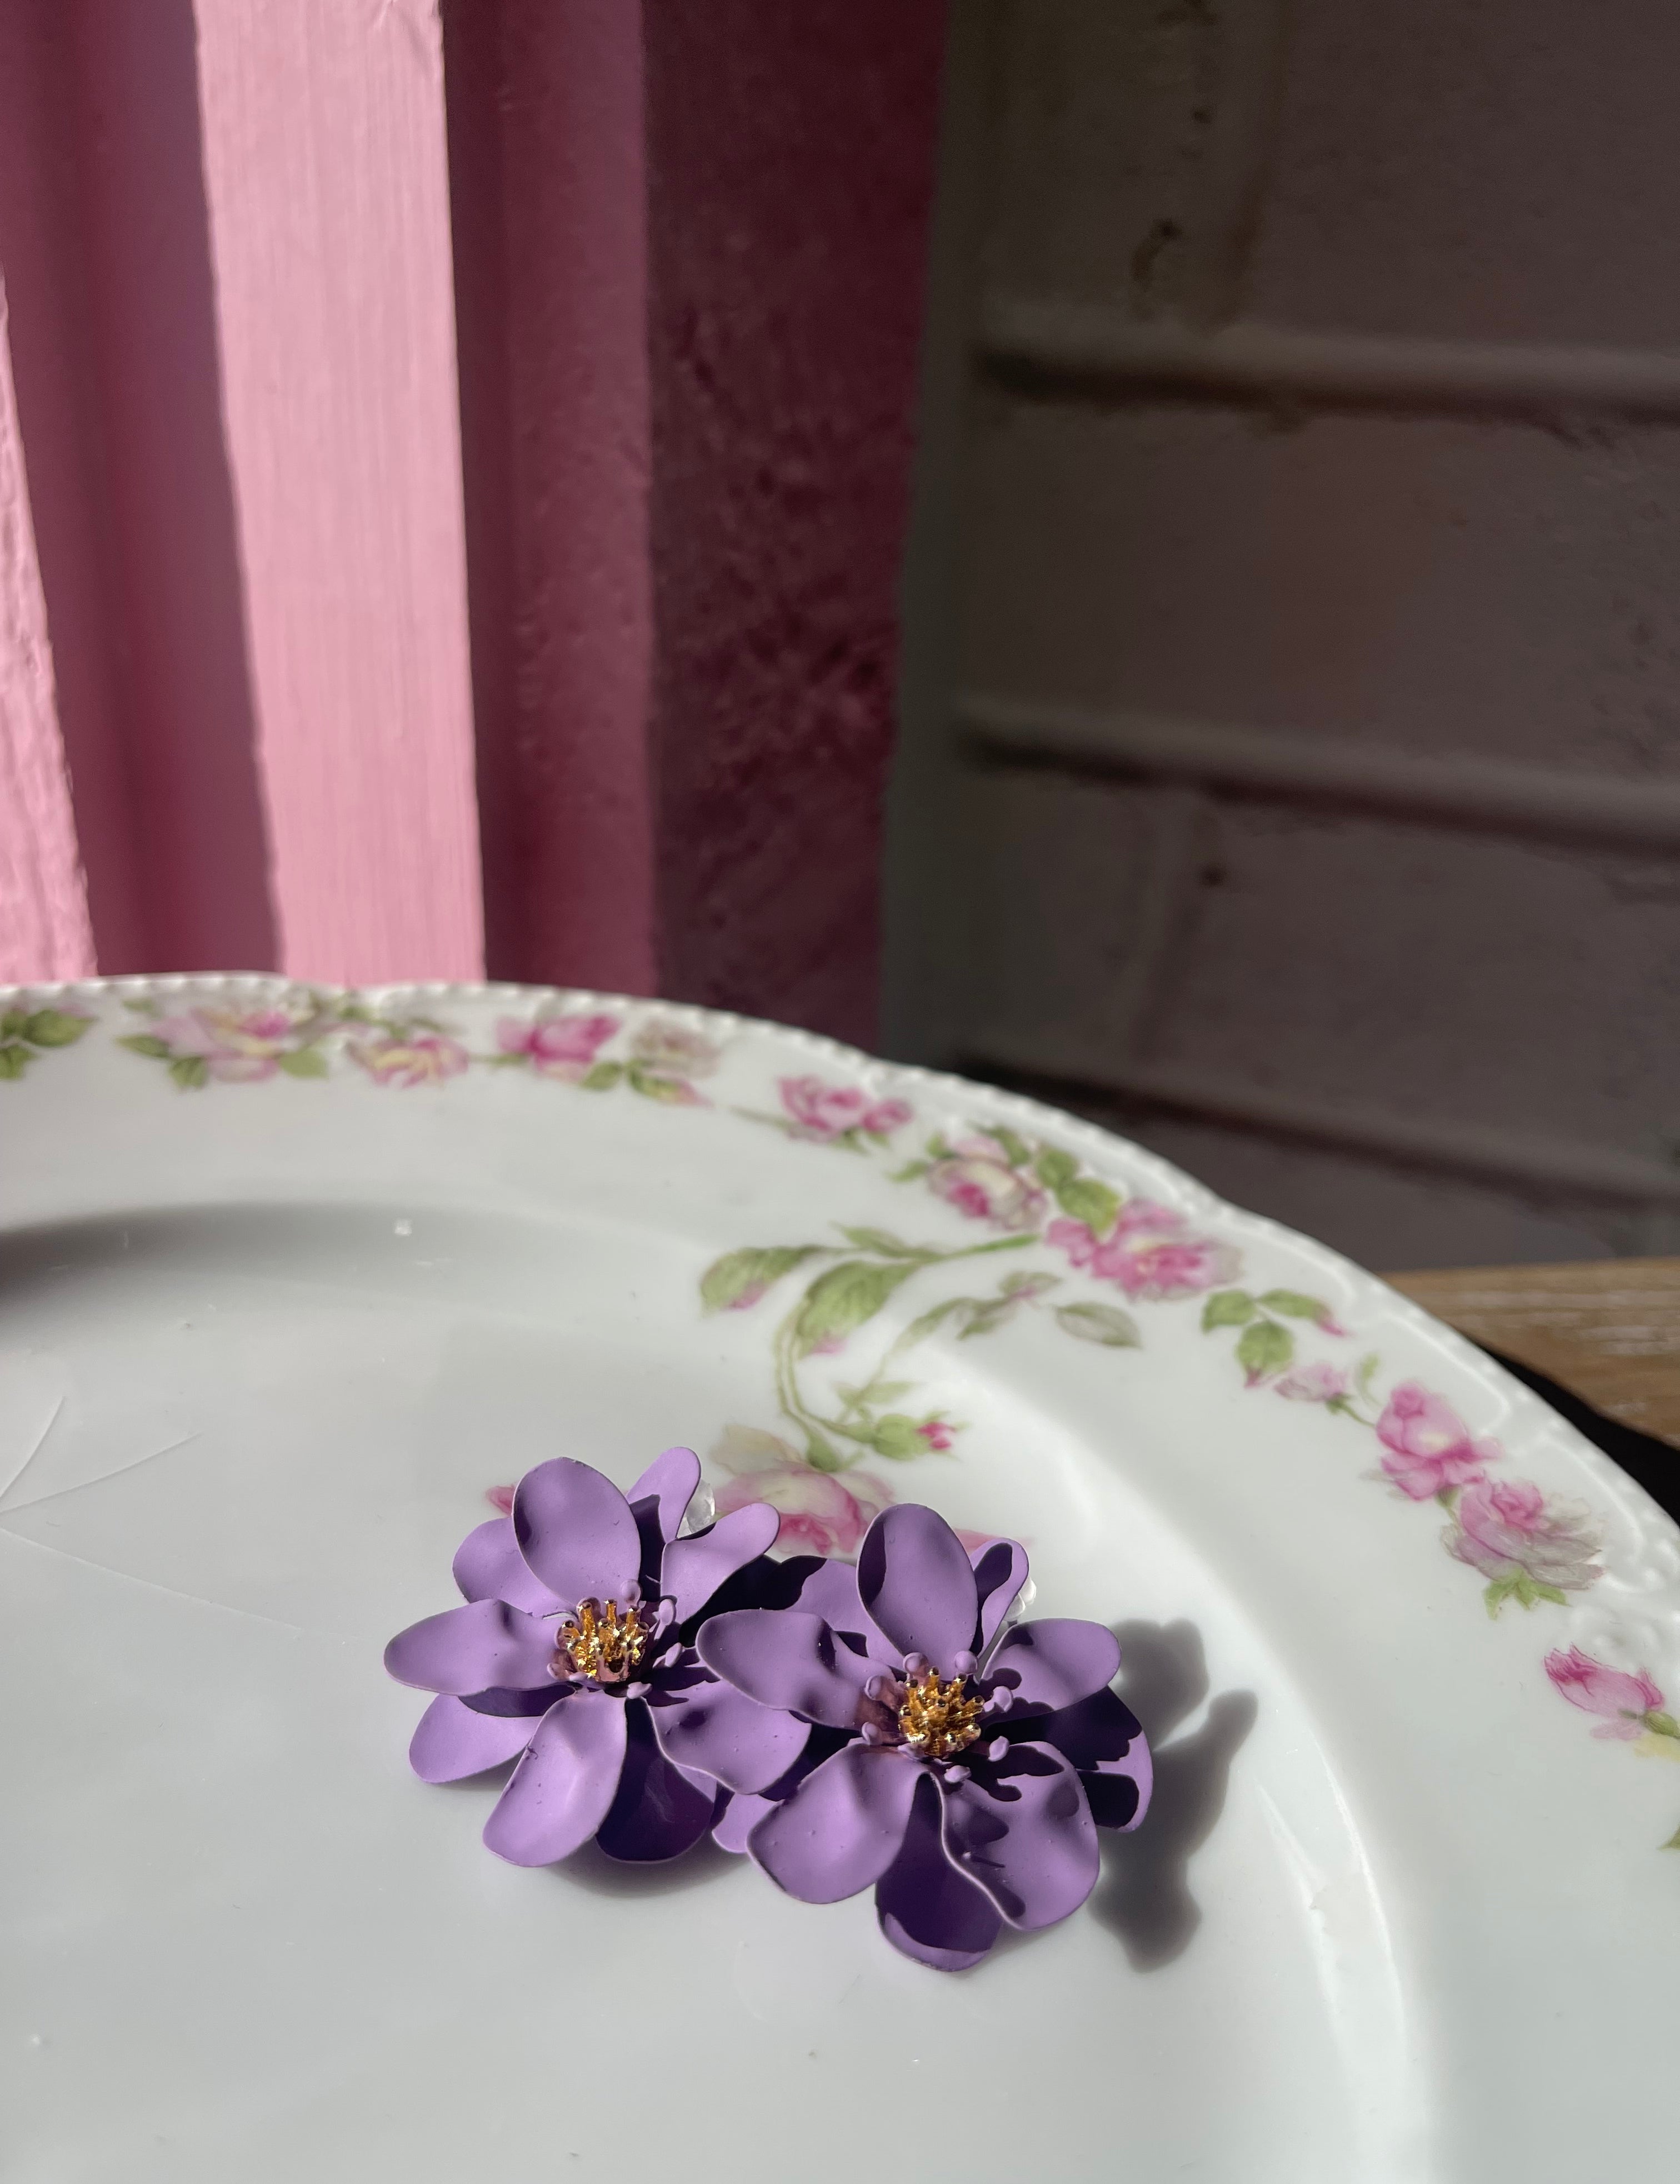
x=1143 y=1897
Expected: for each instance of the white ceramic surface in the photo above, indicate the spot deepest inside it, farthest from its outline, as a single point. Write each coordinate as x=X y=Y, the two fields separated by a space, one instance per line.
x=289 y=1282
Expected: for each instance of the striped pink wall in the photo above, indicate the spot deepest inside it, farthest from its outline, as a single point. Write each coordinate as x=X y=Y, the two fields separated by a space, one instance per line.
x=360 y=536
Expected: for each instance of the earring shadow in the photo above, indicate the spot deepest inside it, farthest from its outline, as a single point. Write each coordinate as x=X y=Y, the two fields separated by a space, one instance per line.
x=1144 y=1896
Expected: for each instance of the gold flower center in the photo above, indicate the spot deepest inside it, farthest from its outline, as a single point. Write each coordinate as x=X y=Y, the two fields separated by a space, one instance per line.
x=601 y=1643
x=936 y=1719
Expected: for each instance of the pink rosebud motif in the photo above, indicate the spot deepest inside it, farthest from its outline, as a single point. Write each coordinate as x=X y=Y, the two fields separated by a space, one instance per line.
x=1623 y=1700
x=822 y=1512
x=1312 y=1384
x=1428 y=1447
x=408 y=1060
x=823 y=1112
x=976 y=1177
x=563 y=1048
x=236 y=1047
x=1510 y=1530
x=1149 y=1253
x=500 y=1498
x=936 y=1434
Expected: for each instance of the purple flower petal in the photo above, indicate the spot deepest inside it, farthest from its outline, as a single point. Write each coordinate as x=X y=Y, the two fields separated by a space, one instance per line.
x=917 y=1585
x=999 y=1573
x=695 y=1568
x=1023 y=1831
x=670 y=1481
x=489 y=1566
x=660 y=1810
x=842 y=1827
x=723 y=1733
x=577 y=1531
x=785 y=1658
x=1054 y=1664
x=564 y=1786
x=453 y=1741
x=1104 y=1741
x=832 y=1592
x=740 y=1815
x=924 y=1906
x=467 y=1649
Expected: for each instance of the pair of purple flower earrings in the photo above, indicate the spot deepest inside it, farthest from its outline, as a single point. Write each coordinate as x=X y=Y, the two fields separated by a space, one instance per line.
x=884 y=1724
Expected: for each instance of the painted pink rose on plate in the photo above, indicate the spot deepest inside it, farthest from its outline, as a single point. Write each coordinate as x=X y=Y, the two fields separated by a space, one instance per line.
x=237 y=1047
x=1427 y=1445
x=1312 y=1384
x=824 y=1112
x=1623 y=1700
x=1149 y=1253
x=822 y=1512
x=408 y=1059
x=675 y=1050
x=1508 y=1530
x=976 y=1177
x=561 y=1047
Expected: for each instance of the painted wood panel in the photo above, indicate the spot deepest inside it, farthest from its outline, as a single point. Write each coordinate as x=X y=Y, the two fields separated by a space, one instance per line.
x=326 y=173
x=44 y=928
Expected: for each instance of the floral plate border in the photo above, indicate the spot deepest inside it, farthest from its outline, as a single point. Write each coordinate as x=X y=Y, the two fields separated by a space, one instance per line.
x=1070 y=1243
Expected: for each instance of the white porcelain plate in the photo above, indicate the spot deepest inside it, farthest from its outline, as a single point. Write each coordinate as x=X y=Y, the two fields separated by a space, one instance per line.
x=290 y=1283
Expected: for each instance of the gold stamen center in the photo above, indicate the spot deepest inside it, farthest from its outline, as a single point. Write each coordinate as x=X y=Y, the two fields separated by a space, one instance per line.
x=936 y=1719
x=601 y=1643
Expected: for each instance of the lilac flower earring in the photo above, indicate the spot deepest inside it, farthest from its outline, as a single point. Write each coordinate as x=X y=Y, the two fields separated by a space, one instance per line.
x=570 y=1650
x=962 y=1772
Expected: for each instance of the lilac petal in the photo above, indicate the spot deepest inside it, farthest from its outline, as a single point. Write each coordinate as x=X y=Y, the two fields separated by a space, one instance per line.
x=453 y=1741
x=489 y=1566
x=1104 y=1741
x=660 y=1810
x=724 y=1734
x=577 y=1531
x=695 y=1568
x=842 y=1827
x=740 y=1815
x=1054 y=1664
x=924 y=1906
x=564 y=1786
x=1023 y=1831
x=832 y=1592
x=999 y=1573
x=467 y=1649
x=670 y=1481
x=785 y=1658
x=916 y=1583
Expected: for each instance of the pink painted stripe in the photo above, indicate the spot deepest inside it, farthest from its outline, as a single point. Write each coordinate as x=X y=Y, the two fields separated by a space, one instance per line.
x=326 y=176
x=44 y=927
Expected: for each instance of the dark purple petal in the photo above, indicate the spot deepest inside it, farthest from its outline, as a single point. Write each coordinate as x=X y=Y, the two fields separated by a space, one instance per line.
x=924 y=1906
x=696 y=1567
x=489 y=1566
x=1054 y=1664
x=842 y=1827
x=577 y=1531
x=723 y=1733
x=1023 y=1831
x=1104 y=1741
x=785 y=1658
x=467 y=1649
x=660 y=1810
x=453 y=1741
x=999 y=1573
x=670 y=1481
x=916 y=1583
x=740 y=1815
x=564 y=1786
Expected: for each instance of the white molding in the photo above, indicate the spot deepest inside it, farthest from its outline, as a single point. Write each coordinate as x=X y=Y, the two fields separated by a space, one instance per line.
x=1082 y=347
x=1483 y=794
x=1528 y=1159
